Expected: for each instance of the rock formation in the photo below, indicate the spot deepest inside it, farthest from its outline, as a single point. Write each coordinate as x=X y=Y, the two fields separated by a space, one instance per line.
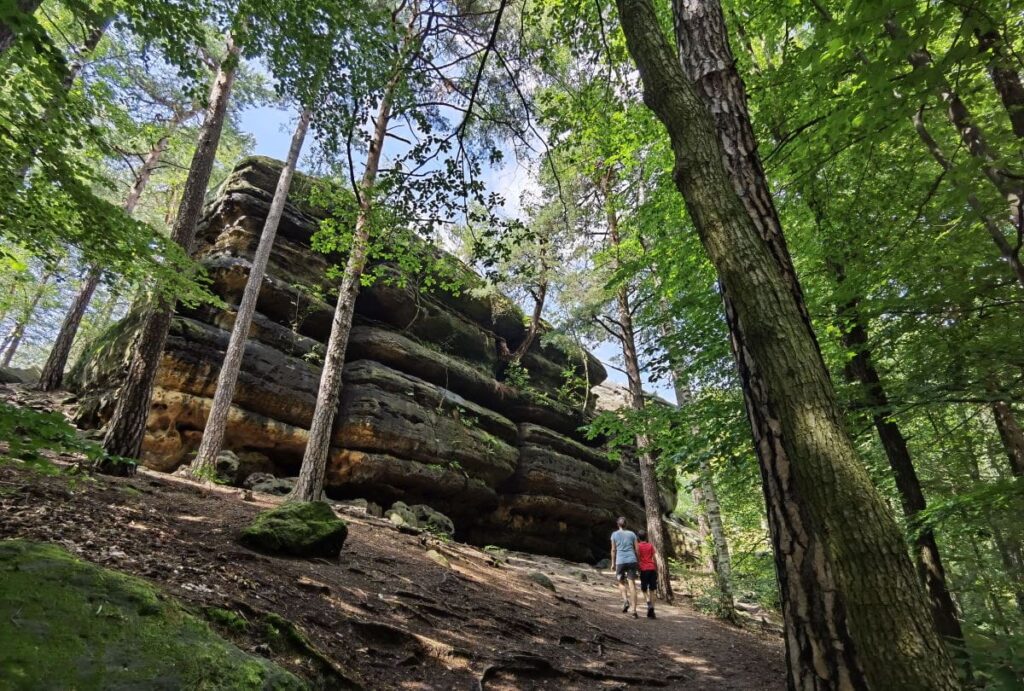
x=424 y=418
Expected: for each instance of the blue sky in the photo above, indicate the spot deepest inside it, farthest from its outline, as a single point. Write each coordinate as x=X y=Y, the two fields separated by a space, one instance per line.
x=271 y=129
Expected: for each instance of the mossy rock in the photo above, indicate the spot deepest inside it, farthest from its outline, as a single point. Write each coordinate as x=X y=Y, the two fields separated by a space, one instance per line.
x=68 y=624
x=541 y=580
x=298 y=529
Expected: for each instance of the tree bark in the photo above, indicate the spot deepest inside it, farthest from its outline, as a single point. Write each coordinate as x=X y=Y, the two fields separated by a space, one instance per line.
x=848 y=586
x=8 y=33
x=861 y=370
x=310 y=484
x=216 y=423
x=1011 y=435
x=13 y=340
x=52 y=376
x=127 y=426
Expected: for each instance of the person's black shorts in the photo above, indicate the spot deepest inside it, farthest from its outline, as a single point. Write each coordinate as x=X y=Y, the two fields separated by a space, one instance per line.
x=648 y=580
x=627 y=570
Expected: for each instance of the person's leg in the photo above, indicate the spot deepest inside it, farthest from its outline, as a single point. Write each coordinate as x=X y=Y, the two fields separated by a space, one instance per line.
x=632 y=587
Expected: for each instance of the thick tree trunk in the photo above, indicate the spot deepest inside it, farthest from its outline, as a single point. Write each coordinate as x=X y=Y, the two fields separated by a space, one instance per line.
x=861 y=369
x=8 y=32
x=1011 y=435
x=13 y=340
x=216 y=423
x=52 y=376
x=310 y=485
x=847 y=582
x=127 y=426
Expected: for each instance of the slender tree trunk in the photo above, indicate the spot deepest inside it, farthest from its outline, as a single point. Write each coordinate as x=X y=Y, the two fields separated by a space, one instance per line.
x=1011 y=435
x=1001 y=66
x=127 y=427
x=861 y=370
x=1011 y=254
x=1008 y=184
x=216 y=424
x=627 y=337
x=8 y=32
x=13 y=340
x=847 y=582
x=53 y=371
x=709 y=512
x=707 y=544
x=310 y=485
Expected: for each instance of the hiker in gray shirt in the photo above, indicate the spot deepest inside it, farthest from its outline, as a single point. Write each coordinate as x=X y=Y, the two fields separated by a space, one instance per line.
x=624 y=563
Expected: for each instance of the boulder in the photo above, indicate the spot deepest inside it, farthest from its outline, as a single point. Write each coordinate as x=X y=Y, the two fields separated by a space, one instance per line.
x=439 y=558
x=68 y=624
x=540 y=579
x=268 y=484
x=400 y=515
x=297 y=529
x=431 y=520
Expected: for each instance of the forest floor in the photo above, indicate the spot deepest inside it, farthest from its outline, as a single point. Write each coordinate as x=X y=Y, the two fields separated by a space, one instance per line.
x=385 y=615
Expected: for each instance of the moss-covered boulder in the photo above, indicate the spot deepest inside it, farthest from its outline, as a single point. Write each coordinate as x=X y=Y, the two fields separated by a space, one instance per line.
x=68 y=624
x=298 y=529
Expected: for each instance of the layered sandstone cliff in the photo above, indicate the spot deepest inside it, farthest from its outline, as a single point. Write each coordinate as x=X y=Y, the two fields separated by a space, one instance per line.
x=423 y=418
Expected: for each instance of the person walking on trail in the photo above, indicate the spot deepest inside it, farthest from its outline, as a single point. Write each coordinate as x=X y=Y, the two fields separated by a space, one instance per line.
x=648 y=570
x=624 y=563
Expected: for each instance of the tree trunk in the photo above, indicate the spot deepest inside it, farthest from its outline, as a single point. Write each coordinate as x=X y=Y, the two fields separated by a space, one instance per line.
x=861 y=370
x=310 y=485
x=709 y=513
x=1007 y=183
x=1010 y=254
x=127 y=427
x=13 y=340
x=848 y=586
x=707 y=543
x=1011 y=435
x=52 y=376
x=216 y=424
x=1001 y=67
x=8 y=32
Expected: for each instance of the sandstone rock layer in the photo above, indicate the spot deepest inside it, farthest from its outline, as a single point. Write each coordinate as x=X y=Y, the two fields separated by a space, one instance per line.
x=424 y=418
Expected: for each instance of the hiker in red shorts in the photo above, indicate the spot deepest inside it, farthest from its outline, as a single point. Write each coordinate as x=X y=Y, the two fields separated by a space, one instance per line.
x=648 y=570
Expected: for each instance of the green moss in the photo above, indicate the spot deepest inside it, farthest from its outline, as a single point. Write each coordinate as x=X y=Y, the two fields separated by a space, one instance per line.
x=65 y=623
x=300 y=529
x=227 y=619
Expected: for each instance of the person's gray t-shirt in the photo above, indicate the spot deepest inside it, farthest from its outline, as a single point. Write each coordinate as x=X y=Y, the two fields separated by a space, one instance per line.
x=625 y=546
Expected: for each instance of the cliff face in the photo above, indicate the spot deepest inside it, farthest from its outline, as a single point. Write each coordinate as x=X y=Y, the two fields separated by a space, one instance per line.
x=423 y=417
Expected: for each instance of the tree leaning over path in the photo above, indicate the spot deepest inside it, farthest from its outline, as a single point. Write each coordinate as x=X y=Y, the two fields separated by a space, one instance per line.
x=848 y=586
x=127 y=426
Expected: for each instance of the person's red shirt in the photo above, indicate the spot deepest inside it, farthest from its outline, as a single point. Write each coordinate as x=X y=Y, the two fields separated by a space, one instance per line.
x=645 y=553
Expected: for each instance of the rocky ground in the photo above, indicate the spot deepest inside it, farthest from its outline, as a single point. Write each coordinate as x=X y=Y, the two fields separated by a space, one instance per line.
x=399 y=608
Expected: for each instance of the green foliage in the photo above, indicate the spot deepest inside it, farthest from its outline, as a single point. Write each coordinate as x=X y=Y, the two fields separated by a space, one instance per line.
x=28 y=432
x=517 y=375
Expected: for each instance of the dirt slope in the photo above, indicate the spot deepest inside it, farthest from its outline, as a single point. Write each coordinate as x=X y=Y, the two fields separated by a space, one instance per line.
x=386 y=615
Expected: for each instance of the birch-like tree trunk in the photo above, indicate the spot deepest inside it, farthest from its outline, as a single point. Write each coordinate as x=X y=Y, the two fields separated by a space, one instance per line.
x=52 y=376
x=310 y=484
x=847 y=583
x=127 y=426
x=216 y=423
x=710 y=515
